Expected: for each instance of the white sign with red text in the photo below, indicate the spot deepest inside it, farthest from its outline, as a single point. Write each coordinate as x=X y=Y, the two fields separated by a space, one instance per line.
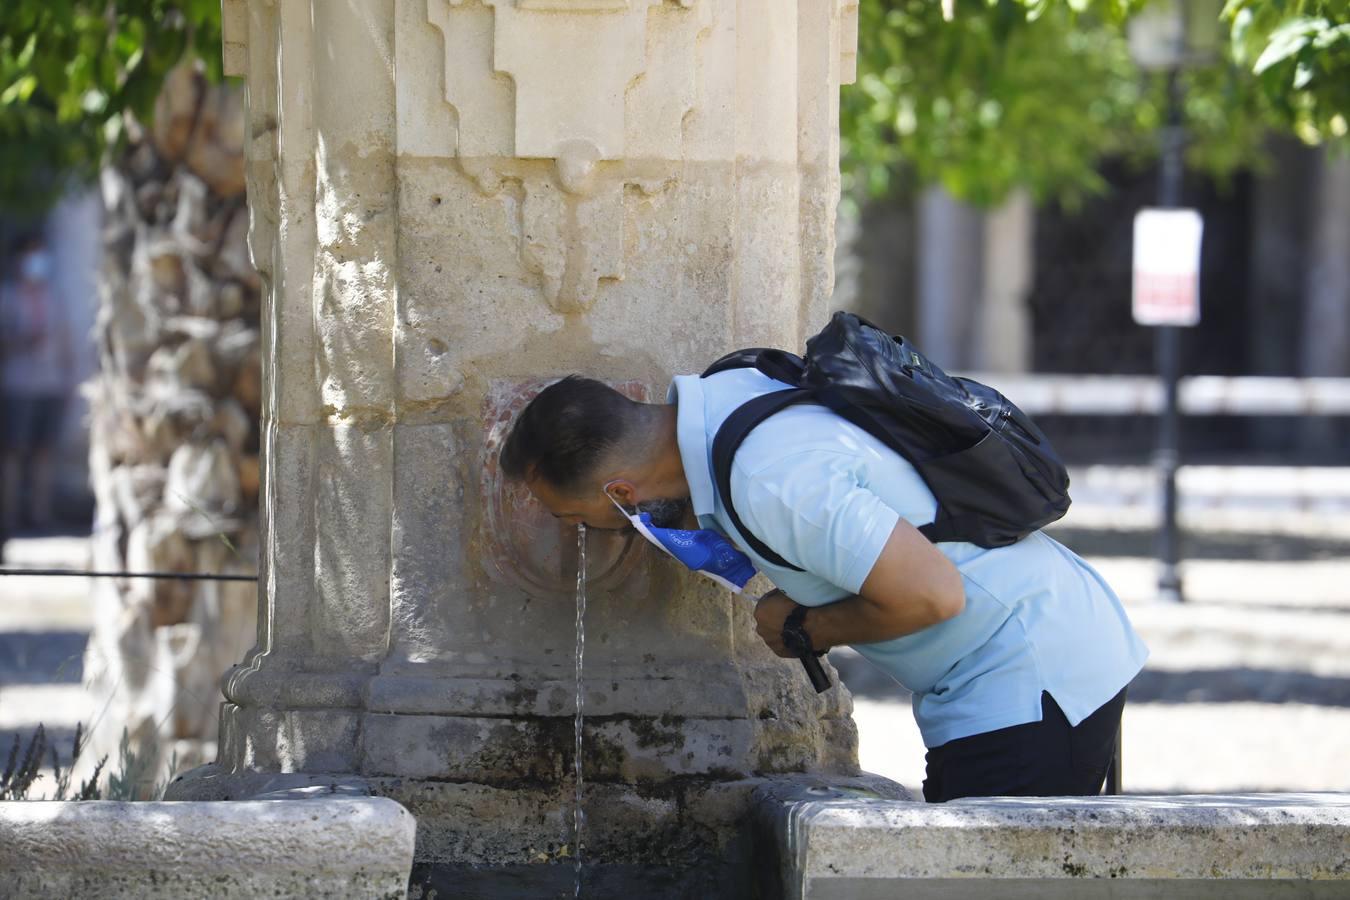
x=1167 y=267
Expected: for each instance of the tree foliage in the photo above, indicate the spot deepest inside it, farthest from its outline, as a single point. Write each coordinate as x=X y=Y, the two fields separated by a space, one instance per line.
x=980 y=95
x=1299 y=51
x=984 y=96
x=71 y=69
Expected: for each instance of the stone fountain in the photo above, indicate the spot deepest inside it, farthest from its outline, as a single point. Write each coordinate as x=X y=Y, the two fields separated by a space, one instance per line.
x=454 y=202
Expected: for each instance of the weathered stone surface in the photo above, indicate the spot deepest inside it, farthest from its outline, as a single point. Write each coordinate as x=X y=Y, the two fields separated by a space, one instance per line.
x=324 y=846
x=432 y=264
x=175 y=110
x=135 y=490
x=836 y=845
x=290 y=740
x=672 y=823
x=203 y=485
x=216 y=151
x=629 y=749
x=156 y=545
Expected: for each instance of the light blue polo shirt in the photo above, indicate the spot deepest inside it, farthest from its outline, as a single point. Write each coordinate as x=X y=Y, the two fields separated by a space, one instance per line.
x=825 y=495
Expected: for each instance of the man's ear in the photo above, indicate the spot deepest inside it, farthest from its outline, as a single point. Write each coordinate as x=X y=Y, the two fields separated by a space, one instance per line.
x=623 y=491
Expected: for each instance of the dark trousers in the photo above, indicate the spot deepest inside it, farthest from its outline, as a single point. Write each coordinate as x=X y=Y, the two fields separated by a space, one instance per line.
x=1048 y=758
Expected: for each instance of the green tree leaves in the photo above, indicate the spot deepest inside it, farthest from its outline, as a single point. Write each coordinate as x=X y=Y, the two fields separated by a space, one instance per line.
x=1299 y=51
x=71 y=69
x=982 y=96
x=1002 y=94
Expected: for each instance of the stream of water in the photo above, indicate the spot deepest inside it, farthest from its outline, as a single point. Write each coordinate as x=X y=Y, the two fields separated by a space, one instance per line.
x=579 y=817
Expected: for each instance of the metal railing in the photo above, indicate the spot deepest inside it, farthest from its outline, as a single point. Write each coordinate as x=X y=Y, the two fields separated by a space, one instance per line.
x=83 y=573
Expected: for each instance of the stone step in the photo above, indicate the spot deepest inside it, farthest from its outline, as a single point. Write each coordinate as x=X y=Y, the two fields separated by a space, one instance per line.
x=1327 y=526
x=324 y=846
x=1300 y=585
x=1041 y=394
x=835 y=844
x=58 y=708
x=1234 y=747
x=1299 y=486
x=1306 y=501
x=29 y=603
x=47 y=551
x=1210 y=637
x=45 y=604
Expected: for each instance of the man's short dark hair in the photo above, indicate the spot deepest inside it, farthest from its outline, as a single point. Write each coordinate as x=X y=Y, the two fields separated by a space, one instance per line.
x=568 y=431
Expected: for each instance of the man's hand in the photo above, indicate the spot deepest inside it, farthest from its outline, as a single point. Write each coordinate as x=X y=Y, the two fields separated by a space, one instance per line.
x=771 y=612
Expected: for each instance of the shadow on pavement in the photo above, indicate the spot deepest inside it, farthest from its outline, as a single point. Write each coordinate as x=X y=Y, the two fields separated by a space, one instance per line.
x=63 y=739
x=1203 y=545
x=42 y=657
x=1239 y=685
x=1225 y=685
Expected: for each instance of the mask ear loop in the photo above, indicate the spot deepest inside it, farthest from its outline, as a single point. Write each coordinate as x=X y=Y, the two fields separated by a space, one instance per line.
x=638 y=524
x=617 y=504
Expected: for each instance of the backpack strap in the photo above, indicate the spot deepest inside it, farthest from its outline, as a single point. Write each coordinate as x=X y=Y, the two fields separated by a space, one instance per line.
x=959 y=528
x=728 y=440
x=777 y=364
x=943 y=529
x=739 y=359
x=780 y=365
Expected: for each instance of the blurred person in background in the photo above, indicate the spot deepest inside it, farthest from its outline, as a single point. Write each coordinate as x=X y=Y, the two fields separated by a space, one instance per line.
x=35 y=369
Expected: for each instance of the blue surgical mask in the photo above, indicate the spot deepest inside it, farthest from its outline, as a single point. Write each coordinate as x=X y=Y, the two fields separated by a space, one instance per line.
x=703 y=551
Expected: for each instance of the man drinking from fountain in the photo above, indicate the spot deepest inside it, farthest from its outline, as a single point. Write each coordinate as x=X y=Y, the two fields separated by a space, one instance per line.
x=1017 y=652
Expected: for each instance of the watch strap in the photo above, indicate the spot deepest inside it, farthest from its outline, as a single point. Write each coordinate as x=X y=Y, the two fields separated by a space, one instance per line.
x=795 y=625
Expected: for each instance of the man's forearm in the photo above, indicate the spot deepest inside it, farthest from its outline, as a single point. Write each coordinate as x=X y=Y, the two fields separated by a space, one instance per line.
x=910 y=587
x=857 y=620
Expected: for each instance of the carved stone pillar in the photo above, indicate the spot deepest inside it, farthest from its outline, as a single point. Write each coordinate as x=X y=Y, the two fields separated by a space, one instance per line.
x=455 y=202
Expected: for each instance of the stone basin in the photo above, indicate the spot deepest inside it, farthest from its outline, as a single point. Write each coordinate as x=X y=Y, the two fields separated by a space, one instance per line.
x=327 y=846
x=1194 y=846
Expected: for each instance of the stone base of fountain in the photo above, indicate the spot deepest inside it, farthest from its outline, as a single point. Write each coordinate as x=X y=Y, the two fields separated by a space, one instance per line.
x=730 y=877
x=677 y=838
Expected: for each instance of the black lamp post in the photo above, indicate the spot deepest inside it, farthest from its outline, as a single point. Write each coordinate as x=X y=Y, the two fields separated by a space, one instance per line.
x=1167 y=353
x=1167 y=37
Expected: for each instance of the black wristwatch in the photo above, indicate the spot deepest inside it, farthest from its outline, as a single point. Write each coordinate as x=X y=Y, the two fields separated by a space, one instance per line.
x=797 y=641
x=795 y=637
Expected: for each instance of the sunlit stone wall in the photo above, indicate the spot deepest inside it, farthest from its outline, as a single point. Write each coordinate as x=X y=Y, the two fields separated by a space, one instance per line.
x=453 y=203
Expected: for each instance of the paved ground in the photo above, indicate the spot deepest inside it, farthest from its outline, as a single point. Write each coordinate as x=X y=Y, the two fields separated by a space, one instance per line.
x=1248 y=687
x=44 y=624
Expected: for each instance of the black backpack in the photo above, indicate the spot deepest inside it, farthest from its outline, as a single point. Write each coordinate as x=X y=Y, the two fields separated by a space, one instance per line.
x=995 y=476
